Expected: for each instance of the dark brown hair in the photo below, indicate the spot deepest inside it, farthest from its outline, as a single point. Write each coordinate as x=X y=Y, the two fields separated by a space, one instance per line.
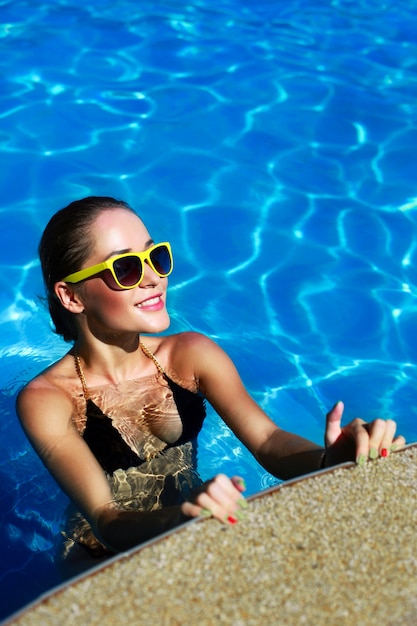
x=65 y=245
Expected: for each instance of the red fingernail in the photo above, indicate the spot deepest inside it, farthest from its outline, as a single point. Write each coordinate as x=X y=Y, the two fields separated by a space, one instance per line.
x=240 y=483
x=384 y=452
x=231 y=519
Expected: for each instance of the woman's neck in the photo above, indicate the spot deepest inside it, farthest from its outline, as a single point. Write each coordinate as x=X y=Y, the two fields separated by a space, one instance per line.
x=104 y=363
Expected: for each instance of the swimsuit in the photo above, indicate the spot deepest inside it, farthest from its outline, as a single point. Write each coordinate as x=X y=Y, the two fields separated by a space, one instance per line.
x=141 y=444
x=143 y=433
x=127 y=424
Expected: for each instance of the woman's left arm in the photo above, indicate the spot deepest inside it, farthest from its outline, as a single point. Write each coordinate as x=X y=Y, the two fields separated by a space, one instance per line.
x=282 y=453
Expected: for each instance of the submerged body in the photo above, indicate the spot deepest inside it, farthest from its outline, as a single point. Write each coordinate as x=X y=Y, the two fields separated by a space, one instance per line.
x=117 y=418
x=143 y=432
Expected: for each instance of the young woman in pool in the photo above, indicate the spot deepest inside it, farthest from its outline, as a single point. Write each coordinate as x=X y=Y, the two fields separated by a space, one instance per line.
x=116 y=419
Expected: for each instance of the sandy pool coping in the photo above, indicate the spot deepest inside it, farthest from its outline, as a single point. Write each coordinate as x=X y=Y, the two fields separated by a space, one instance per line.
x=335 y=547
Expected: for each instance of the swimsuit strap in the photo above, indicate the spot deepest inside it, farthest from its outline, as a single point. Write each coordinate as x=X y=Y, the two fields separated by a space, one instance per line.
x=151 y=356
x=80 y=374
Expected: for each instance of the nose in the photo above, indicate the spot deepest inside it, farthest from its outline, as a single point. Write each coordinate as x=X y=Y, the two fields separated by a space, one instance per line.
x=150 y=277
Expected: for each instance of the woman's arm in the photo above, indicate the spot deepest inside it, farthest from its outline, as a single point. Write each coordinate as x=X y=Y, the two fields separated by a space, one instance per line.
x=282 y=453
x=45 y=414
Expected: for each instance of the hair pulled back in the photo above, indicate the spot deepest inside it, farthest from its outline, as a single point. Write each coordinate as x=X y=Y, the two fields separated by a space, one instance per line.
x=64 y=246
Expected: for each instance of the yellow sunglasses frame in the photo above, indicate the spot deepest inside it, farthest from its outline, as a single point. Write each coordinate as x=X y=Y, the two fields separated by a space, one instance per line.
x=144 y=256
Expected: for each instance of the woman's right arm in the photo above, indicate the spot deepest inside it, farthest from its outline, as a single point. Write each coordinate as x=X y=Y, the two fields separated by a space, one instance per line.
x=45 y=414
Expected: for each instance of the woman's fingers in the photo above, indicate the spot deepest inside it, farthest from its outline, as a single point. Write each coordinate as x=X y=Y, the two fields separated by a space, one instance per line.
x=380 y=437
x=221 y=498
x=333 y=423
x=239 y=483
x=360 y=436
x=398 y=443
x=374 y=439
x=359 y=440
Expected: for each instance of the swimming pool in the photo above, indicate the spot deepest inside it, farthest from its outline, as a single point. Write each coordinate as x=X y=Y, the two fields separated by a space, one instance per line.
x=275 y=147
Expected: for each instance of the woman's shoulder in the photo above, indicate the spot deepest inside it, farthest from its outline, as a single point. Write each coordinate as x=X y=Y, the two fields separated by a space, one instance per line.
x=54 y=382
x=183 y=352
x=180 y=345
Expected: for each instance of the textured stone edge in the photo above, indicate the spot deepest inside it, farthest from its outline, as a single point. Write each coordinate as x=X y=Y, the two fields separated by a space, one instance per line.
x=60 y=589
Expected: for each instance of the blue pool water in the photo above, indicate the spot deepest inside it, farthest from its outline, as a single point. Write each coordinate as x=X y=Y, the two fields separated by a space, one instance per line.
x=274 y=144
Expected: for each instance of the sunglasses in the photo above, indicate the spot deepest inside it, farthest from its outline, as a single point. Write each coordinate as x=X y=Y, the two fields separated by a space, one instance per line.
x=128 y=269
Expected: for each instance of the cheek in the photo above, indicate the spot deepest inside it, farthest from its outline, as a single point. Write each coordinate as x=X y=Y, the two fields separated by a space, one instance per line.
x=104 y=303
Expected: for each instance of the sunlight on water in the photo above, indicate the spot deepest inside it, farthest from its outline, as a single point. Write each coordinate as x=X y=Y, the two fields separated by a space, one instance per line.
x=273 y=144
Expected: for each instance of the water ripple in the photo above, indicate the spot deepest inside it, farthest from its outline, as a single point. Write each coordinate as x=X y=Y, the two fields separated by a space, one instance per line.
x=273 y=143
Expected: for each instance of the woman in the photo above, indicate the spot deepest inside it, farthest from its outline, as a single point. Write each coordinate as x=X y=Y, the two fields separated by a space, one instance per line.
x=116 y=419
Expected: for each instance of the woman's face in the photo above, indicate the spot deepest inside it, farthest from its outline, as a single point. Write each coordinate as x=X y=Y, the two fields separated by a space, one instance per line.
x=108 y=310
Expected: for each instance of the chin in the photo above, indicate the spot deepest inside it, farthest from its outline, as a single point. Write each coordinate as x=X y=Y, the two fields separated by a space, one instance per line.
x=157 y=327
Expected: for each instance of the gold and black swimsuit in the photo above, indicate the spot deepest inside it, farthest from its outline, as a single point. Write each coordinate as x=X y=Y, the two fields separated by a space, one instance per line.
x=143 y=432
x=129 y=441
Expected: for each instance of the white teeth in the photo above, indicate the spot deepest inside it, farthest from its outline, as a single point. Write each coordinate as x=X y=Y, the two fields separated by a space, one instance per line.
x=149 y=302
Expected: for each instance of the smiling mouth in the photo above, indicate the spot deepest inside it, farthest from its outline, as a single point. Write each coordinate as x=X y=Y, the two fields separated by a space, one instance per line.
x=150 y=302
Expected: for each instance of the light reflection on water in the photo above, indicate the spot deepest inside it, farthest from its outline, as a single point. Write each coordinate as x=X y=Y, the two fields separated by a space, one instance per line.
x=275 y=147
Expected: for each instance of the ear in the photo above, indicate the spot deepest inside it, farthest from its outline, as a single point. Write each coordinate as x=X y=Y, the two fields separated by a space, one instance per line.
x=68 y=297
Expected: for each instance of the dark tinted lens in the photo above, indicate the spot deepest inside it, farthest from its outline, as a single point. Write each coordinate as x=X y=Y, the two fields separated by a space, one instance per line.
x=128 y=270
x=161 y=260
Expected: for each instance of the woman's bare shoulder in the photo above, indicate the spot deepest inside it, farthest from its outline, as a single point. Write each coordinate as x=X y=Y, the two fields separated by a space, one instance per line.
x=187 y=340
x=182 y=352
x=179 y=345
x=56 y=382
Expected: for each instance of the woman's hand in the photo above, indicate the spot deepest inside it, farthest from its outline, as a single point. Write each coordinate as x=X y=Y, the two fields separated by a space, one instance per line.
x=220 y=497
x=359 y=440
